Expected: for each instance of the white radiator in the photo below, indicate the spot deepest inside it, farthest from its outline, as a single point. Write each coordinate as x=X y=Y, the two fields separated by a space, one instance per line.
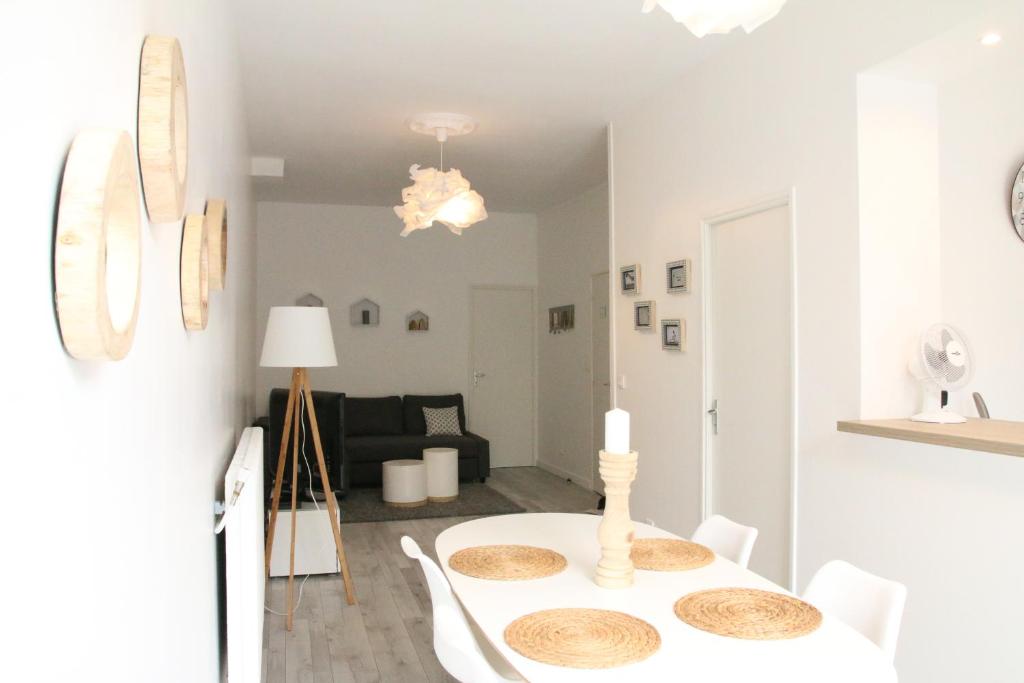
x=243 y=524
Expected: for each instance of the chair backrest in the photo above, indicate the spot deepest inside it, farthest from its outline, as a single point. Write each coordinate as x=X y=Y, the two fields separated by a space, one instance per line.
x=732 y=541
x=454 y=642
x=867 y=603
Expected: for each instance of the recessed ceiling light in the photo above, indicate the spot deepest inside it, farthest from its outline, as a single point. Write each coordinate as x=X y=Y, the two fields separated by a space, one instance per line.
x=990 y=39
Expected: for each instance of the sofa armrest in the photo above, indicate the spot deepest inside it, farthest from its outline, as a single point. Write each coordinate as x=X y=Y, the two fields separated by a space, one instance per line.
x=330 y=413
x=483 y=455
x=339 y=470
x=264 y=423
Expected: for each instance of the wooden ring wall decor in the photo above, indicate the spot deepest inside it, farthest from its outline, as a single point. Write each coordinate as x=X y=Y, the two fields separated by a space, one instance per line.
x=97 y=255
x=217 y=237
x=163 y=128
x=195 y=281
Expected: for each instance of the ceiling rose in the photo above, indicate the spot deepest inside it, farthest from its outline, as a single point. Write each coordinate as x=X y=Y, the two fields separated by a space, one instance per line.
x=439 y=195
x=718 y=16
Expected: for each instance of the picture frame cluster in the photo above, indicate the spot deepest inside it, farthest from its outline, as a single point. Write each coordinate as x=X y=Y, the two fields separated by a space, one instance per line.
x=677 y=281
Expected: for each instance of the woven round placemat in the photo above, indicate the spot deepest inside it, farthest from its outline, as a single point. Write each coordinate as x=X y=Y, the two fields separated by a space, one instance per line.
x=669 y=554
x=748 y=613
x=583 y=638
x=507 y=562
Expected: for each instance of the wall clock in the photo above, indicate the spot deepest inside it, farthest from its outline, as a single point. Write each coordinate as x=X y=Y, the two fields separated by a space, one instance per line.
x=1017 y=203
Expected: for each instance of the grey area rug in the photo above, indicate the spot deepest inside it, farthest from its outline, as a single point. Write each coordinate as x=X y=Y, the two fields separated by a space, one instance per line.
x=367 y=505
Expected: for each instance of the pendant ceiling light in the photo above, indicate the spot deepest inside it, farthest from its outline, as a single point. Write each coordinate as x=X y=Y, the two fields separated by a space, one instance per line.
x=436 y=194
x=718 y=16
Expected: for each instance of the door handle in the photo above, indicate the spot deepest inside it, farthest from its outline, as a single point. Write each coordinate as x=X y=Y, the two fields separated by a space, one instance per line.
x=714 y=416
x=477 y=375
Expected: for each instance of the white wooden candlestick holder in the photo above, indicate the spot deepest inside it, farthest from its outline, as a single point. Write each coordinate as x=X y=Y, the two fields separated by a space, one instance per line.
x=615 y=533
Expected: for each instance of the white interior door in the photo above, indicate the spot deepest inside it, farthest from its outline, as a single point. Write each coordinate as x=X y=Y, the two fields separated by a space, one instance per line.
x=601 y=392
x=749 y=390
x=502 y=384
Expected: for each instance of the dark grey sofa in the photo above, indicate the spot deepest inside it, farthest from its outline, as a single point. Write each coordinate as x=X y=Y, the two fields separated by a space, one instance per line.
x=330 y=416
x=376 y=430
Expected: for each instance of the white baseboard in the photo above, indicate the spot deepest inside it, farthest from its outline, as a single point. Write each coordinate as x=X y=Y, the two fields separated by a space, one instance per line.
x=585 y=482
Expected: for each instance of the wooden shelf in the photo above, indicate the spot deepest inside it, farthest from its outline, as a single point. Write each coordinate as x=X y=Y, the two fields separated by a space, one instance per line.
x=992 y=436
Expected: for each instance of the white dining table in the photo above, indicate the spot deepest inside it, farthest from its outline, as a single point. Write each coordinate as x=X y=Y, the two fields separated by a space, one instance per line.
x=834 y=653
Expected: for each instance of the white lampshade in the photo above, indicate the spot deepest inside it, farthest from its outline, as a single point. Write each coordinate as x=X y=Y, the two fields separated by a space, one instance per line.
x=298 y=337
x=718 y=16
x=443 y=196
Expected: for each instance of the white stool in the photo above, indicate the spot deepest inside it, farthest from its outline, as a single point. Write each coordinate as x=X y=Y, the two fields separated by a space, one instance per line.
x=405 y=483
x=442 y=474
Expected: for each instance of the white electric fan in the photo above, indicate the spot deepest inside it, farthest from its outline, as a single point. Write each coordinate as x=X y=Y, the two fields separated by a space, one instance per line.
x=942 y=363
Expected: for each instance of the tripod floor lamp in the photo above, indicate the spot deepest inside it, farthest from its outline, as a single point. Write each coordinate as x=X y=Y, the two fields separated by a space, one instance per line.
x=299 y=337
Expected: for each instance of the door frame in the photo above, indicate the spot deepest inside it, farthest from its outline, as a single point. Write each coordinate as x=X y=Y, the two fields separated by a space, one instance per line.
x=533 y=353
x=595 y=476
x=783 y=199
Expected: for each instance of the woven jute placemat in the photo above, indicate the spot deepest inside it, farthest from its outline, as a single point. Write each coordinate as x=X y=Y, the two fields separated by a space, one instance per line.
x=583 y=638
x=507 y=562
x=748 y=613
x=669 y=554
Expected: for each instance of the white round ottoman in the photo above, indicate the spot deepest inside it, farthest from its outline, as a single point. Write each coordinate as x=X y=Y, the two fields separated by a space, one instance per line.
x=405 y=483
x=442 y=474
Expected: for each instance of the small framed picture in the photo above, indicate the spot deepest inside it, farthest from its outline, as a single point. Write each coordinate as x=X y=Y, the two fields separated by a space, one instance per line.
x=677 y=276
x=561 y=318
x=673 y=335
x=629 y=279
x=643 y=315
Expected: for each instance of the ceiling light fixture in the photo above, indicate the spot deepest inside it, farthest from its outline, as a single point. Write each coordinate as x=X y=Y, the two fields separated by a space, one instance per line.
x=990 y=39
x=718 y=16
x=436 y=194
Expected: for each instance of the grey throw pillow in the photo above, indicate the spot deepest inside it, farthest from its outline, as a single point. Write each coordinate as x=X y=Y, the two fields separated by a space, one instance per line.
x=442 y=421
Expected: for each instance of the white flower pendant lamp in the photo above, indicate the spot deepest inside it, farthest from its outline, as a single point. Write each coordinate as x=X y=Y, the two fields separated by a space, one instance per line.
x=718 y=16
x=436 y=194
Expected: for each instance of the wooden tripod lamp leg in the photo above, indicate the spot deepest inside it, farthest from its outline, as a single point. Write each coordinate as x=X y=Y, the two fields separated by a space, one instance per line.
x=332 y=505
x=293 y=395
x=295 y=493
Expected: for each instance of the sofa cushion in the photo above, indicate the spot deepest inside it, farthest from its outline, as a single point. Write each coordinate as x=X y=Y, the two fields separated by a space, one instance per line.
x=442 y=421
x=373 y=416
x=382 y=448
x=413 y=406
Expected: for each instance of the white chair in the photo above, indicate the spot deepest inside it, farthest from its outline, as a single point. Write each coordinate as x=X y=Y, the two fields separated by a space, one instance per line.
x=468 y=658
x=727 y=538
x=865 y=602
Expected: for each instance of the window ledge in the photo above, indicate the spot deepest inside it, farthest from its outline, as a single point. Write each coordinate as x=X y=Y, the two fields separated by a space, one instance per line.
x=992 y=436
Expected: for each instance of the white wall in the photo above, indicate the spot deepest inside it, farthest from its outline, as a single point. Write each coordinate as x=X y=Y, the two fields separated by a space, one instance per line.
x=778 y=111
x=981 y=141
x=572 y=246
x=900 y=278
x=345 y=253
x=939 y=147
x=112 y=468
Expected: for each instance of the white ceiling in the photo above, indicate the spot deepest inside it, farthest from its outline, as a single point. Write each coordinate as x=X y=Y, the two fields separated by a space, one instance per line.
x=330 y=85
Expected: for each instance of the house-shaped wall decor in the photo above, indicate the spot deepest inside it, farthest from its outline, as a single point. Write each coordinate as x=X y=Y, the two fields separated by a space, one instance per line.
x=311 y=300
x=364 y=313
x=417 y=321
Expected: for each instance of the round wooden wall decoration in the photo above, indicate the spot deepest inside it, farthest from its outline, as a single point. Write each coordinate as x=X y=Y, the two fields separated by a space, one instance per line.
x=195 y=282
x=97 y=255
x=163 y=128
x=217 y=237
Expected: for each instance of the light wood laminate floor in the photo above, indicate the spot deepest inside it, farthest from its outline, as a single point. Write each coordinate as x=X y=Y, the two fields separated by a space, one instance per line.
x=387 y=636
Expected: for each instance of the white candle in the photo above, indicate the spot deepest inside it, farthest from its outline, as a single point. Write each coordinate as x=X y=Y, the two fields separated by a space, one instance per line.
x=616 y=431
